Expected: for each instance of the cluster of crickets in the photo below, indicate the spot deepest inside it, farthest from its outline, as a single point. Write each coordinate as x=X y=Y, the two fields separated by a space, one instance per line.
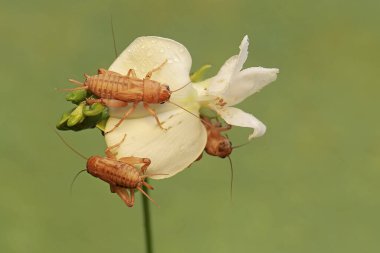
x=108 y=89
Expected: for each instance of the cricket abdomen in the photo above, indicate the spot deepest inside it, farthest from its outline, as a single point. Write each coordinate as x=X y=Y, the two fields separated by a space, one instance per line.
x=111 y=86
x=114 y=172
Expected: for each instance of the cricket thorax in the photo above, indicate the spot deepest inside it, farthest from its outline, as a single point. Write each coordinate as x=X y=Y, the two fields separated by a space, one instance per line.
x=155 y=92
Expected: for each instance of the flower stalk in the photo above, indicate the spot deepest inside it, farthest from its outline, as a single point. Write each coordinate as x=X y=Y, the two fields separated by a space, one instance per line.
x=147 y=223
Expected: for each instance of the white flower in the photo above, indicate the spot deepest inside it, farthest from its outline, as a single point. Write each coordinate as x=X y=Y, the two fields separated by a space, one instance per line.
x=173 y=150
x=231 y=86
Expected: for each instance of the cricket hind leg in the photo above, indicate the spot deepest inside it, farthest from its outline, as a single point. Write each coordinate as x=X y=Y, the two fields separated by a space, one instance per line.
x=123 y=194
x=137 y=160
x=107 y=102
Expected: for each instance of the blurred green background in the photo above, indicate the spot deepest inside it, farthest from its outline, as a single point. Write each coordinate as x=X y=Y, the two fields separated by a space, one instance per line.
x=309 y=185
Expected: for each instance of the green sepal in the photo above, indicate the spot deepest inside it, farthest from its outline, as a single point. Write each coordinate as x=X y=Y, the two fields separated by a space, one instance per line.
x=197 y=76
x=77 y=96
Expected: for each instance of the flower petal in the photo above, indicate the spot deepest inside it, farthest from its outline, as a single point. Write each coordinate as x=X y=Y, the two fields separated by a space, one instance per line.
x=231 y=67
x=248 y=82
x=237 y=117
x=147 y=53
x=243 y=54
x=170 y=151
x=221 y=81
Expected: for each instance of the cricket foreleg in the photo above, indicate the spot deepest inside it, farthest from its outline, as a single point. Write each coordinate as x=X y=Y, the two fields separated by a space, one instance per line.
x=108 y=150
x=154 y=114
x=123 y=194
x=222 y=129
x=149 y=74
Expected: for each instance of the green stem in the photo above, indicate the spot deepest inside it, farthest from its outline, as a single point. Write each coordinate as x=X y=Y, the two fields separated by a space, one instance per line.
x=147 y=223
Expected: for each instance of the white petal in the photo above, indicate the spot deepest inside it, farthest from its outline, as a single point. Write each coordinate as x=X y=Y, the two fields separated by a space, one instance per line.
x=221 y=81
x=243 y=54
x=237 y=117
x=170 y=151
x=248 y=82
x=202 y=90
x=147 y=53
x=231 y=67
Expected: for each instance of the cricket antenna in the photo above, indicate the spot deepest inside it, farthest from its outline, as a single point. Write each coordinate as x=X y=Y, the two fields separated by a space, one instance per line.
x=181 y=87
x=70 y=147
x=146 y=195
x=75 y=178
x=203 y=121
x=232 y=176
x=113 y=37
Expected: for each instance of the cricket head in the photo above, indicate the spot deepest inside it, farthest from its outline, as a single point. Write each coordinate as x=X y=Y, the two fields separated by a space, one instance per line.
x=164 y=93
x=221 y=146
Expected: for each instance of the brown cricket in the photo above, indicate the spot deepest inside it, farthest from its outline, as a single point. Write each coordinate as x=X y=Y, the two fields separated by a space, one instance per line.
x=120 y=174
x=116 y=90
x=217 y=144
